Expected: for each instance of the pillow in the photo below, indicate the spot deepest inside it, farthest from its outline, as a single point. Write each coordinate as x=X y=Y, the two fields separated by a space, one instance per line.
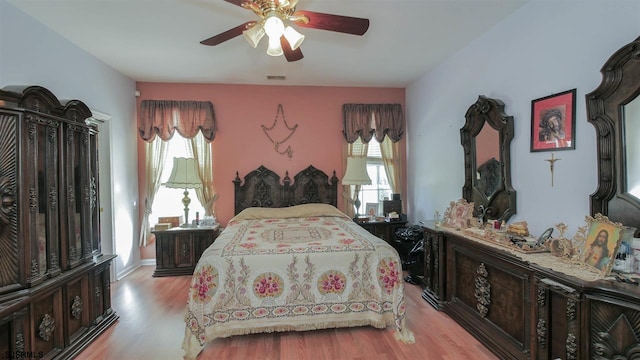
x=297 y=211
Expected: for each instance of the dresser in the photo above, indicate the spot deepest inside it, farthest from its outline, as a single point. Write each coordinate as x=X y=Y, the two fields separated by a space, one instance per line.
x=179 y=249
x=434 y=273
x=55 y=295
x=522 y=310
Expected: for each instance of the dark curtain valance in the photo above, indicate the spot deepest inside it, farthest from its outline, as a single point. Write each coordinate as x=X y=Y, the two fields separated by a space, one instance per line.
x=387 y=120
x=164 y=117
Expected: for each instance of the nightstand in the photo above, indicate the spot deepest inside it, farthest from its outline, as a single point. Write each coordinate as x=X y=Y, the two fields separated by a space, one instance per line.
x=385 y=230
x=179 y=249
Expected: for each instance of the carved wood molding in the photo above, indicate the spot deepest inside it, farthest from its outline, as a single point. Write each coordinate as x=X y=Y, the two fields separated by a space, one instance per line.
x=46 y=327
x=614 y=333
x=76 y=307
x=20 y=342
x=483 y=290
x=573 y=298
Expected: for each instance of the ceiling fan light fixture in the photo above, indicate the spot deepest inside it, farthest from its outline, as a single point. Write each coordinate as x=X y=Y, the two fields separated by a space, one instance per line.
x=274 y=48
x=294 y=38
x=254 y=34
x=273 y=26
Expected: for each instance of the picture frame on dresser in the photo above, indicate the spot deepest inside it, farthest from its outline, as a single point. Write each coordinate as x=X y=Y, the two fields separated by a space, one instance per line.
x=601 y=244
x=553 y=122
x=372 y=210
x=458 y=214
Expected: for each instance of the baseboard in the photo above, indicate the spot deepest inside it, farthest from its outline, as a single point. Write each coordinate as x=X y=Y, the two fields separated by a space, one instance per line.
x=148 y=262
x=128 y=270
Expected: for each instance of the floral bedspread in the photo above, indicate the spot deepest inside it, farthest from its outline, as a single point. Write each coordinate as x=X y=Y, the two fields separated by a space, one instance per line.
x=301 y=268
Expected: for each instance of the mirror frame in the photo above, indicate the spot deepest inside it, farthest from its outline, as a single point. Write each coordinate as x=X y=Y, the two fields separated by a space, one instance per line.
x=620 y=85
x=501 y=205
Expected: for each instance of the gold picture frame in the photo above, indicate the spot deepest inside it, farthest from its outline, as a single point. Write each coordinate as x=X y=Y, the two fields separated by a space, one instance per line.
x=601 y=243
x=458 y=214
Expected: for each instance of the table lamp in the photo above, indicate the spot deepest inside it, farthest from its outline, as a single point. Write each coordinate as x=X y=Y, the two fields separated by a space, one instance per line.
x=184 y=175
x=356 y=174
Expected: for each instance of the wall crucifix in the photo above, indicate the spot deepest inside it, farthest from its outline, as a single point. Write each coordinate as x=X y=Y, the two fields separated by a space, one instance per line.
x=551 y=164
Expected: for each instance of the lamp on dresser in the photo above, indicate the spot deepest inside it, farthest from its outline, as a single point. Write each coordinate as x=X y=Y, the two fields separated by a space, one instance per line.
x=356 y=174
x=184 y=175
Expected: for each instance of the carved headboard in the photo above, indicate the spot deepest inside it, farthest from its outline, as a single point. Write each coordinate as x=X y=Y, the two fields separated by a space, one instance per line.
x=262 y=188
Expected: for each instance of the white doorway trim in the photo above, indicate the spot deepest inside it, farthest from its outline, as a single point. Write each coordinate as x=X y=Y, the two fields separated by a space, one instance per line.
x=105 y=151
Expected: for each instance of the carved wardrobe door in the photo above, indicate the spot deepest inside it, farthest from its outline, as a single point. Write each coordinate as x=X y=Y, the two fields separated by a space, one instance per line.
x=40 y=137
x=75 y=180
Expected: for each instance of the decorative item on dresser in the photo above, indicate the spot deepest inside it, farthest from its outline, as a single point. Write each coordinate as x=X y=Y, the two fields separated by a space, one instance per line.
x=179 y=249
x=54 y=281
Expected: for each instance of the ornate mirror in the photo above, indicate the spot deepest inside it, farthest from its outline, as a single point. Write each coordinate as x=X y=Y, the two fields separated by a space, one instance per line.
x=614 y=109
x=486 y=138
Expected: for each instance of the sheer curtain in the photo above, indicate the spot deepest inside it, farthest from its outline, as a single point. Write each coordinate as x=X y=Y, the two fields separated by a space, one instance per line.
x=158 y=121
x=201 y=151
x=155 y=156
x=392 y=163
x=385 y=122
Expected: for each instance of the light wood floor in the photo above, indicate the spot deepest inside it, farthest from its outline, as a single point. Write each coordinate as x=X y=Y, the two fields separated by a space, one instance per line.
x=151 y=327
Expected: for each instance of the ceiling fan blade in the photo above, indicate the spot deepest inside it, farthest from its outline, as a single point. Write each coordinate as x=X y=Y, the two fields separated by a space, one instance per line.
x=290 y=54
x=227 y=35
x=339 y=23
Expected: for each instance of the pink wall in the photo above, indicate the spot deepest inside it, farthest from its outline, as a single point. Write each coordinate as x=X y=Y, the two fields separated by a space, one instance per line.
x=241 y=145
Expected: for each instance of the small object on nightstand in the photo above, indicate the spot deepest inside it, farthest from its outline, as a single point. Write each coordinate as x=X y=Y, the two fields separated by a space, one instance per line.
x=208 y=221
x=393 y=216
x=175 y=221
x=162 y=226
x=361 y=219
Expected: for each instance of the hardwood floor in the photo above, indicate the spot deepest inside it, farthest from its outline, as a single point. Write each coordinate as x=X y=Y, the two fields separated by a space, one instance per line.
x=151 y=327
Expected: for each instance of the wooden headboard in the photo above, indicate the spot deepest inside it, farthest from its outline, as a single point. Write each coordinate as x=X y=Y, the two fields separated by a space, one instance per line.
x=262 y=188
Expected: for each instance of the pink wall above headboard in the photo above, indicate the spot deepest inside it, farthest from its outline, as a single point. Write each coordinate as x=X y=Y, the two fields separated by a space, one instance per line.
x=241 y=145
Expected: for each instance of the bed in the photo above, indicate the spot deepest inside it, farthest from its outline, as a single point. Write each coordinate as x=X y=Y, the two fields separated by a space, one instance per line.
x=291 y=261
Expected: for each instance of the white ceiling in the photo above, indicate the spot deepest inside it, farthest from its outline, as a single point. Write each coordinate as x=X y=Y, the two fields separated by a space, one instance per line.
x=159 y=40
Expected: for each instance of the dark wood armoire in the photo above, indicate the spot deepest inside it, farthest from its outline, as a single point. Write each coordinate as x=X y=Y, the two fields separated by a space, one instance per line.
x=54 y=280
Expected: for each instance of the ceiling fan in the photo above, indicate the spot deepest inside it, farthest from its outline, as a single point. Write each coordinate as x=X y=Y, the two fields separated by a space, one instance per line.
x=284 y=39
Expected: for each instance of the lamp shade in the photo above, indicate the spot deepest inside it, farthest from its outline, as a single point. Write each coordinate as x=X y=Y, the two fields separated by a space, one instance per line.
x=254 y=34
x=184 y=174
x=293 y=37
x=356 y=173
x=274 y=48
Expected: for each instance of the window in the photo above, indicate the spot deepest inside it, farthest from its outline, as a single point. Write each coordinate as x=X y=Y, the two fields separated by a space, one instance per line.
x=168 y=202
x=379 y=189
